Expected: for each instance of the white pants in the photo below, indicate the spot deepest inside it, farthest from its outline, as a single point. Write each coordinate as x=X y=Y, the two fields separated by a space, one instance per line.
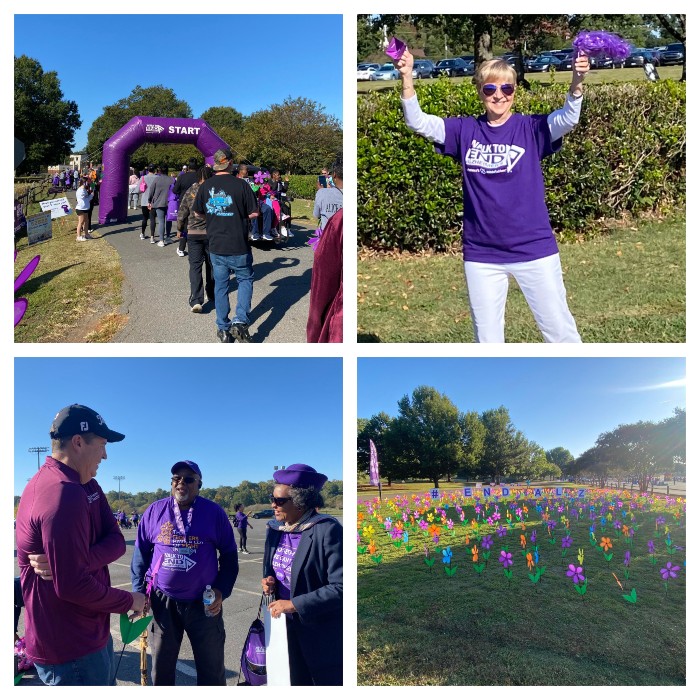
x=542 y=285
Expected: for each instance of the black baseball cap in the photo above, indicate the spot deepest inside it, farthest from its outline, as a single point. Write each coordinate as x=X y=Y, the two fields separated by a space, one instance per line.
x=76 y=420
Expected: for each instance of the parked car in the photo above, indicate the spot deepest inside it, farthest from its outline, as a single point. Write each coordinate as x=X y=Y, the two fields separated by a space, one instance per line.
x=423 y=68
x=451 y=67
x=386 y=72
x=267 y=513
x=639 y=57
x=541 y=64
x=600 y=62
x=673 y=54
x=566 y=62
x=365 y=70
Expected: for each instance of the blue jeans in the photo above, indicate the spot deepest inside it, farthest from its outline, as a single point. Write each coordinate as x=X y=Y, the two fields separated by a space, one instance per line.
x=94 y=669
x=266 y=212
x=160 y=215
x=222 y=266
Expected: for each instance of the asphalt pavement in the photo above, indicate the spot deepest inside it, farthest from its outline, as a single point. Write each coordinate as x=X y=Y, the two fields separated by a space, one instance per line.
x=239 y=611
x=156 y=288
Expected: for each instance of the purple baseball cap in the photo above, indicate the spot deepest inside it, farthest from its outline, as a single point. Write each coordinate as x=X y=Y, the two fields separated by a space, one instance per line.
x=301 y=475
x=188 y=465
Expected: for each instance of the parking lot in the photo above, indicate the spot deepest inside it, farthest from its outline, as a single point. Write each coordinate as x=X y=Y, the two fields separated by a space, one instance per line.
x=239 y=611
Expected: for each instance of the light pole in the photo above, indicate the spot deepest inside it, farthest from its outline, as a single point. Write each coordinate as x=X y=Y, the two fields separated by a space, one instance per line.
x=119 y=479
x=39 y=451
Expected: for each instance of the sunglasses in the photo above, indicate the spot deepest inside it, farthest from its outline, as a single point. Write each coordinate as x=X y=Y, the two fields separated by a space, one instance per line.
x=278 y=501
x=186 y=479
x=490 y=89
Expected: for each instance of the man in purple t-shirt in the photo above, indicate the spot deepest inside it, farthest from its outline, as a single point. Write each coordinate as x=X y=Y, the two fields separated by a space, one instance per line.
x=66 y=537
x=184 y=544
x=506 y=231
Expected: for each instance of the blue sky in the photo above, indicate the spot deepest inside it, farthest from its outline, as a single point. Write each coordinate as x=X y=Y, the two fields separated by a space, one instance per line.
x=237 y=418
x=564 y=402
x=252 y=61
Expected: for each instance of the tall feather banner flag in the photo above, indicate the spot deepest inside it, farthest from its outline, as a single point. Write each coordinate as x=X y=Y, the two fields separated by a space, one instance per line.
x=373 y=465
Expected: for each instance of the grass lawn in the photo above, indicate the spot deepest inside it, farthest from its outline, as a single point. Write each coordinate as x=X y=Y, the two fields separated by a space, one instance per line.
x=74 y=294
x=425 y=622
x=594 y=77
x=625 y=287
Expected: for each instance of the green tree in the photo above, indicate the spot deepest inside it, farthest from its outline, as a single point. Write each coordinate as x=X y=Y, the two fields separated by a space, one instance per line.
x=155 y=101
x=368 y=38
x=473 y=435
x=296 y=136
x=220 y=117
x=428 y=433
x=670 y=442
x=44 y=121
x=562 y=458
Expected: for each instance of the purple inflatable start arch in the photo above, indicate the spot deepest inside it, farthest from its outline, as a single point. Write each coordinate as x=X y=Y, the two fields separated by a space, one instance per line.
x=139 y=130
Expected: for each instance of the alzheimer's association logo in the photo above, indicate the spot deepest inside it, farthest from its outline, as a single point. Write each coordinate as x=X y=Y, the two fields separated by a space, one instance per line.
x=154 y=128
x=493 y=157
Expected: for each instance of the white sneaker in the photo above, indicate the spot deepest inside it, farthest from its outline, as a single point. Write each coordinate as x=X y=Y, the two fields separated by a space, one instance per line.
x=81 y=238
x=267 y=237
x=196 y=308
x=161 y=244
x=255 y=236
x=285 y=217
x=90 y=230
x=142 y=237
x=283 y=231
x=181 y=253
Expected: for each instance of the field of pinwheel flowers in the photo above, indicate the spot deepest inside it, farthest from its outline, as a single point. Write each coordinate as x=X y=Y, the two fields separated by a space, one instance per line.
x=540 y=587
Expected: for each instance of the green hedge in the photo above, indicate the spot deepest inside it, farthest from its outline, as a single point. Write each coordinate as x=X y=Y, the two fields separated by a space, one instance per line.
x=303 y=186
x=627 y=154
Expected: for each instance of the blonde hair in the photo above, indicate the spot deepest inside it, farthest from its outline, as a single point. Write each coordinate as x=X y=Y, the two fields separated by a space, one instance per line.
x=494 y=70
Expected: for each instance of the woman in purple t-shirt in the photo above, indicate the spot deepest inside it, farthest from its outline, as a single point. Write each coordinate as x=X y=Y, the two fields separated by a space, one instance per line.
x=506 y=223
x=241 y=524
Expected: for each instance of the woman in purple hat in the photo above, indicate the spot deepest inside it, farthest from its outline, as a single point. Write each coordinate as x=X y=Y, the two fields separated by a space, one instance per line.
x=303 y=569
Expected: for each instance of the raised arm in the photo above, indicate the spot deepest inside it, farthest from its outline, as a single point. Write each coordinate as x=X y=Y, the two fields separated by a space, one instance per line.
x=426 y=125
x=563 y=120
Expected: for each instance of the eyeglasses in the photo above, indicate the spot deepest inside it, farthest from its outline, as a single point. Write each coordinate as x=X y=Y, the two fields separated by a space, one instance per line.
x=490 y=89
x=278 y=501
x=186 y=479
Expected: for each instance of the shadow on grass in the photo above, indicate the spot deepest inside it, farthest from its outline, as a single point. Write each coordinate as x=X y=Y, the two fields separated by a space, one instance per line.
x=33 y=283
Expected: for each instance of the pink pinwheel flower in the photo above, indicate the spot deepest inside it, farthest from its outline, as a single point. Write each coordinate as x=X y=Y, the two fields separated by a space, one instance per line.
x=422 y=524
x=576 y=574
x=669 y=571
x=22 y=304
x=506 y=559
x=315 y=239
x=259 y=177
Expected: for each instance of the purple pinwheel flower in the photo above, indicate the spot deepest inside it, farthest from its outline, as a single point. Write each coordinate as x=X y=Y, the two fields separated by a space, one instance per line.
x=486 y=542
x=627 y=558
x=576 y=574
x=599 y=43
x=566 y=541
x=502 y=530
x=617 y=525
x=436 y=538
x=21 y=304
x=661 y=520
x=315 y=239
x=259 y=177
x=533 y=536
x=395 y=48
x=387 y=524
x=450 y=524
x=506 y=559
x=669 y=571
x=396 y=534
x=422 y=525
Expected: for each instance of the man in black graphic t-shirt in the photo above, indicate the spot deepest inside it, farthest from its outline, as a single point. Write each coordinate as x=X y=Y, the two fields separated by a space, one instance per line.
x=228 y=202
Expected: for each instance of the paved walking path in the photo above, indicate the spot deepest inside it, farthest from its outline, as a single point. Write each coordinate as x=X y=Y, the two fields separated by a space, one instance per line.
x=156 y=289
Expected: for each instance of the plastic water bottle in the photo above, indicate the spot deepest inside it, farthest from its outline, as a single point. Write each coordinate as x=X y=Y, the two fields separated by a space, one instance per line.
x=208 y=597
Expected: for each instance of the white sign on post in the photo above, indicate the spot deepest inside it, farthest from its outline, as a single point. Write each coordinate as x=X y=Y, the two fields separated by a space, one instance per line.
x=58 y=207
x=39 y=228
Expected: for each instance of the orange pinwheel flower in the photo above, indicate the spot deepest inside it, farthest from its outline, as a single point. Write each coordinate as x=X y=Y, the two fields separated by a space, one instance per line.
x=525 y=509
x=530 y=562
x=625 y=530
x=605 y=543
x=360 y=517
x=522 y=526
x=433 y=530
x=475 y=553
x=522 y=541
x=372 y=547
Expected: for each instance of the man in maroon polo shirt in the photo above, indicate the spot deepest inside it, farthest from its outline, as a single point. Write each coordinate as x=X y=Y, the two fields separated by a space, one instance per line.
x=65 y=524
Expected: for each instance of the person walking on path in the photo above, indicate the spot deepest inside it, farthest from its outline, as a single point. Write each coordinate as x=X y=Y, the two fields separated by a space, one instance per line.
x=506 y=231
x=148 y=214
x=158 y=192
x=228 y=202
x=185 y=543
x=185 y=180
x=195 y=228
x=66 y=538
x=133 y=190
x=241 y=524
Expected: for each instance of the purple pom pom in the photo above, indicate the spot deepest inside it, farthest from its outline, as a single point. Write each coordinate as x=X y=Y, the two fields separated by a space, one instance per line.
x=601 y=44
x=395 y=49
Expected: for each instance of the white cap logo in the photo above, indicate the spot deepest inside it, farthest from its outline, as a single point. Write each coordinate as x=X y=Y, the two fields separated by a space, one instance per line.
x=99 y=419
x=84 y=427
